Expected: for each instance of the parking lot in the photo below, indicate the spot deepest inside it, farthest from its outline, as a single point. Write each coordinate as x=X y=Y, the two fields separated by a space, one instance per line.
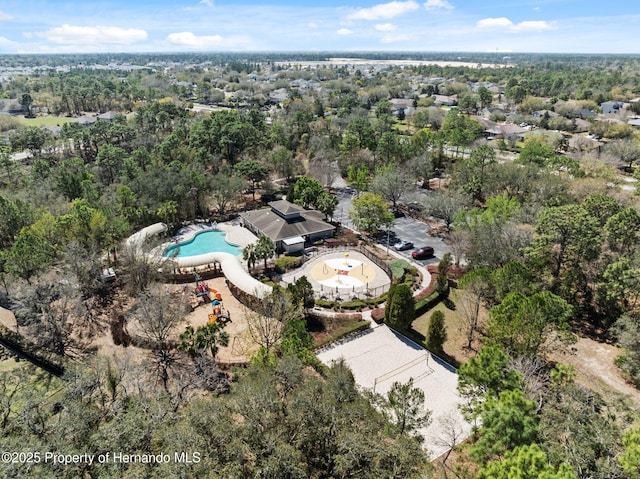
x=404 y=228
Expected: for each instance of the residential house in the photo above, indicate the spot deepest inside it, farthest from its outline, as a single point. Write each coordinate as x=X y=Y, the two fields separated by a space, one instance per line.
x=611 y=107
x=444 y=100
x=634 y=122
x=401 y=104
x=85 y=120
x=542 y=113
x=278 y=96
x=586 y=113
x=504 y=130
x=108 y=116
x=581 y=125
x=10 y=107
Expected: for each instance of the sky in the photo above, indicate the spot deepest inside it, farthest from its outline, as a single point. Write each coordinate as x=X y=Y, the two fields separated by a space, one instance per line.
x=94 y=26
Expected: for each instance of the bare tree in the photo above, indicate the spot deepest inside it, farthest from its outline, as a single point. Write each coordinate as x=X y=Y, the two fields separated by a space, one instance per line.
x=266 y=323
x=451 y=434
x=474 y=288
x=444 y=206
x=140 y=267
x=458 y=240
x=469 y=305
x=155 y=318
x=54 y=317
x=627 y=150
x=324 y=168
x=156 y=315
x=265 y=331
x=391 y=183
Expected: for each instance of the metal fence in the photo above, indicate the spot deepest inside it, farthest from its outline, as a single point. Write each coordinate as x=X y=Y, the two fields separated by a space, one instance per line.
x=348 y=293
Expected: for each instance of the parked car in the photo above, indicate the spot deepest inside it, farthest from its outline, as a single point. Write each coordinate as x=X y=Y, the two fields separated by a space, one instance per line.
x=403 y=245
x=422 y=253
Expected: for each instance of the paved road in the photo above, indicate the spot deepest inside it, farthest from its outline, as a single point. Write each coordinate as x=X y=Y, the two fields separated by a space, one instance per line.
x=404 y=228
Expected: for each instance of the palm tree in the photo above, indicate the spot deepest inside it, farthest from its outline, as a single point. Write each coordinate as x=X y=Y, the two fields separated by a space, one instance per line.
x=249 y=255
x=209 y=337
x=167 y=211
x=264 y=249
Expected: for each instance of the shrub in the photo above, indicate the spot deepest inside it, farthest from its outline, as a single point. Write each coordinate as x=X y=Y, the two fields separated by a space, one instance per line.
x=400 y=307
x=287 y=263
x=354 y=304
x=398 y=268
x=324 y=303
x=378 y=315
x=347 y=330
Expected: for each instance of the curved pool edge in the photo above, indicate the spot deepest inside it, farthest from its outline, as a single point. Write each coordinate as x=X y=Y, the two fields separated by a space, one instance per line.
x=191 y=236
x=231 y=268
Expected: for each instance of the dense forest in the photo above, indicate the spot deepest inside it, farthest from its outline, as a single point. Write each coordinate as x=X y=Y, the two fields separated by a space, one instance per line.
x=543 y=226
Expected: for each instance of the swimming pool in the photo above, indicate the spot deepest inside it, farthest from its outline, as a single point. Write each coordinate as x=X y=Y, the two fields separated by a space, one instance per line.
x=201 y=243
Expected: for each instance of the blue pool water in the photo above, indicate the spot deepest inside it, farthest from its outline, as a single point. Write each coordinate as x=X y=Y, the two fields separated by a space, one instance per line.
x=201 y=243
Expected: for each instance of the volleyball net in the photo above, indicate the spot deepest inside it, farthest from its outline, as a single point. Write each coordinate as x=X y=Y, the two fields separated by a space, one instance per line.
x=420 y=364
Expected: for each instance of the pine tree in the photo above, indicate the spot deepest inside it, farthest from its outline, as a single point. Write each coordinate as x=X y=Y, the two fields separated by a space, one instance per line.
x=437 y=333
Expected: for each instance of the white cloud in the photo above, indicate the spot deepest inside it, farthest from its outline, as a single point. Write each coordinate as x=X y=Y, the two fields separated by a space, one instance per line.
x=312 y=25
x=344 y=31
x=6 y=43
x=531 y=26
x=505 y=23
x=499 y=22
x=395 y=38
x=384 y=10
x=77 y=35
x=5 y=16
x=386 y=27
x=202 y=42
x=437 y=4
x=208 y=3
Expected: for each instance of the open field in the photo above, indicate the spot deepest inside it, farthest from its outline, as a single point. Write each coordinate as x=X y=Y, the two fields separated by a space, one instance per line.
x=44 y=120
x=10 y=364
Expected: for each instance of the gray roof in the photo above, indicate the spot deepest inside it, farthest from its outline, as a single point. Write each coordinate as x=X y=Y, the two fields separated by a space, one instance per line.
x=84 y=120
x=7 y=105
x=109 y=115
x=286 y=207
x=271 y=224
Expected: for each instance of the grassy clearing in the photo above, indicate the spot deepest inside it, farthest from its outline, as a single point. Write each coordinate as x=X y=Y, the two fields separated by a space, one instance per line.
x=9 y=365
x=456 y=341
x=45 y=121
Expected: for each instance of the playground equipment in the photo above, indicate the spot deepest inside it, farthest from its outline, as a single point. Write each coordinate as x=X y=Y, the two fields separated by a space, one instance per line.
x=219 y=314
x=202 y=290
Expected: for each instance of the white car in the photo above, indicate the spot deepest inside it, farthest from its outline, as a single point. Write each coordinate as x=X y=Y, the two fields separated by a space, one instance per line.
x=403 y=245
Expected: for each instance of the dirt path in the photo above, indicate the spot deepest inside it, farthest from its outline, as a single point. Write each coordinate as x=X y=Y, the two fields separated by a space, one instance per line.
x=596 y=369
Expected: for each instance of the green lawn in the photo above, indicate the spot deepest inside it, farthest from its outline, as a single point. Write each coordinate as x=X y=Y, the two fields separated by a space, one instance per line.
x=10 y=364
x=455 y=324
x=44 y=120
